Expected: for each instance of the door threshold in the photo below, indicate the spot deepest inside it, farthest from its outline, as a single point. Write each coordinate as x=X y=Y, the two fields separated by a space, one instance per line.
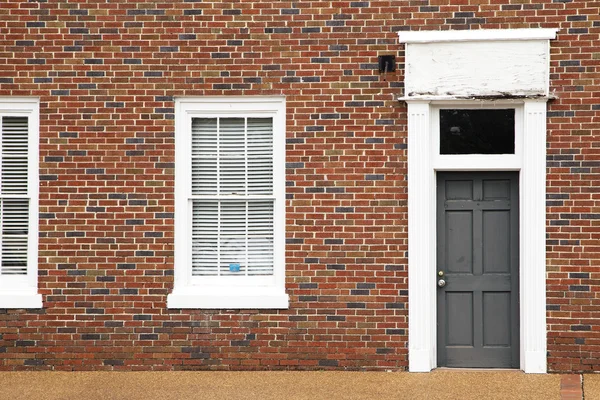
x=444 y=369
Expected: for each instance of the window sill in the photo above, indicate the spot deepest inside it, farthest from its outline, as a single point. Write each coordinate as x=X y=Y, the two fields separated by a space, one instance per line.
x=228 y=298
x=20 y=299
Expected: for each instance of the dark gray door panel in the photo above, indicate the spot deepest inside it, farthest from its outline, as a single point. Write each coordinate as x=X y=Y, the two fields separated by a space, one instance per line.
x=478 y=252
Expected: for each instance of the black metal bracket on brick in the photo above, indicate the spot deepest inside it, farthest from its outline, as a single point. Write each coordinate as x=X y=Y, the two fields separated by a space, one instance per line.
x=387 y=63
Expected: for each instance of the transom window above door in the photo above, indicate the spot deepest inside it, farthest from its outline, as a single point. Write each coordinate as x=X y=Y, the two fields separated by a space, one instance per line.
x=469 y=135
x=480 y=131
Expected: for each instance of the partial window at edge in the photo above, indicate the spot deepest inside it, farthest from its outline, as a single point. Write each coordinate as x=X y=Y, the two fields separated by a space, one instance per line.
x=487 y=131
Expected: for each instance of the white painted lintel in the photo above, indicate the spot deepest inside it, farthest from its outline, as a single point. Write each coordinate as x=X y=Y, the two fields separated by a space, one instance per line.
x=477 y=35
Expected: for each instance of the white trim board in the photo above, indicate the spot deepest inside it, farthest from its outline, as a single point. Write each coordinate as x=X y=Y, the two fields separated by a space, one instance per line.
x=476 y=35
x=423 y=163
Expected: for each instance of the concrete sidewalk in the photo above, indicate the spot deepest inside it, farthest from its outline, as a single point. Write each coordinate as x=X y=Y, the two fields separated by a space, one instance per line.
x=440 y=384
x=591 y=386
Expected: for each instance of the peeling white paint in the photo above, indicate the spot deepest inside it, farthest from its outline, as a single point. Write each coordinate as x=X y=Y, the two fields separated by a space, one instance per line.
x=506 y=68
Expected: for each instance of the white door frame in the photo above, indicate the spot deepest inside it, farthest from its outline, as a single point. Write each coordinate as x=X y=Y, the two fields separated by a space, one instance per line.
x=423 y=162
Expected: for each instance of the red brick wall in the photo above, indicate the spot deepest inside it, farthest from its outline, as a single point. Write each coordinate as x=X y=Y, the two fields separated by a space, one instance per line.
x=106 y=73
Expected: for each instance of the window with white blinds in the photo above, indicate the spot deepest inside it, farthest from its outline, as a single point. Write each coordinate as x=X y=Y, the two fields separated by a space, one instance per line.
x=229 y=203
x=232 y=196
x=14 y=196
x=19 y=180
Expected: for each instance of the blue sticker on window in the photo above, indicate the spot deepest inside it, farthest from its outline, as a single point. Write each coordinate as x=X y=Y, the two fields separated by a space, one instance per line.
x=234 y=267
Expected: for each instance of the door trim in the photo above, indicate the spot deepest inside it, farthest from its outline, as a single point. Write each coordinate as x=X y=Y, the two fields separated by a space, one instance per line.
x=422 y=119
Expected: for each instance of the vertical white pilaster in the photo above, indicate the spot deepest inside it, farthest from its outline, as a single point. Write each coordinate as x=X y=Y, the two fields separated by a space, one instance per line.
x=421 y=233
x=533 y=238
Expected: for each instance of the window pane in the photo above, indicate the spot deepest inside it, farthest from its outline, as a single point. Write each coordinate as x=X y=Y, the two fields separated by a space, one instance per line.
x=14 y=155
x=260 y=155
x=260 y=238
x=205 y=238
x=477 y=131
x=232 y=238
x=14 y=217
x=204 y=156
x=232 y=156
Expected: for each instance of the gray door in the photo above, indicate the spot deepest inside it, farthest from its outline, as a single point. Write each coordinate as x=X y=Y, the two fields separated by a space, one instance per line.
x=478 y=258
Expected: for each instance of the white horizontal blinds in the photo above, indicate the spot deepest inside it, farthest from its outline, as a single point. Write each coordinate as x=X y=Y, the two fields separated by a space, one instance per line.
x=204 y=156
x=232 y=156
x=232 y=196
x=233 y=235
x=14 y=200
x=14 y=155
x=260 y=156
x=260 y=238
x=15 y=223
x=205 y=237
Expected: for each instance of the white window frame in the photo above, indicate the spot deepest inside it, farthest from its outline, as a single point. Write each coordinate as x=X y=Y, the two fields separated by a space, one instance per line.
x=229 y=292
x=22 y=291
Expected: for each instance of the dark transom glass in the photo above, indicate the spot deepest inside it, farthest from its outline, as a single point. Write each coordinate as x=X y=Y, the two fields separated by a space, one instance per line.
x=477 y=131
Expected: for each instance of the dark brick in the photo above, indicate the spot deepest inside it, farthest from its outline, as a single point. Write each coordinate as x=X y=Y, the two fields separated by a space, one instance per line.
x=576 y=328
x=579 y=275
x=356 y=305
x=328 y=363
x=113 y=362
x=90 y=336
x=394 y=331
x=148 y=336
x=579 y=288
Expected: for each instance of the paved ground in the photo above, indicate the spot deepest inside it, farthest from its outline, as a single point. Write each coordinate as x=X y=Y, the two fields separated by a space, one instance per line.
x=591 y=386
x=440 y=384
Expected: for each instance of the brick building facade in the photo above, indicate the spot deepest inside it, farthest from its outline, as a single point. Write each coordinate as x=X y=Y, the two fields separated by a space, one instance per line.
x=104 y=77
